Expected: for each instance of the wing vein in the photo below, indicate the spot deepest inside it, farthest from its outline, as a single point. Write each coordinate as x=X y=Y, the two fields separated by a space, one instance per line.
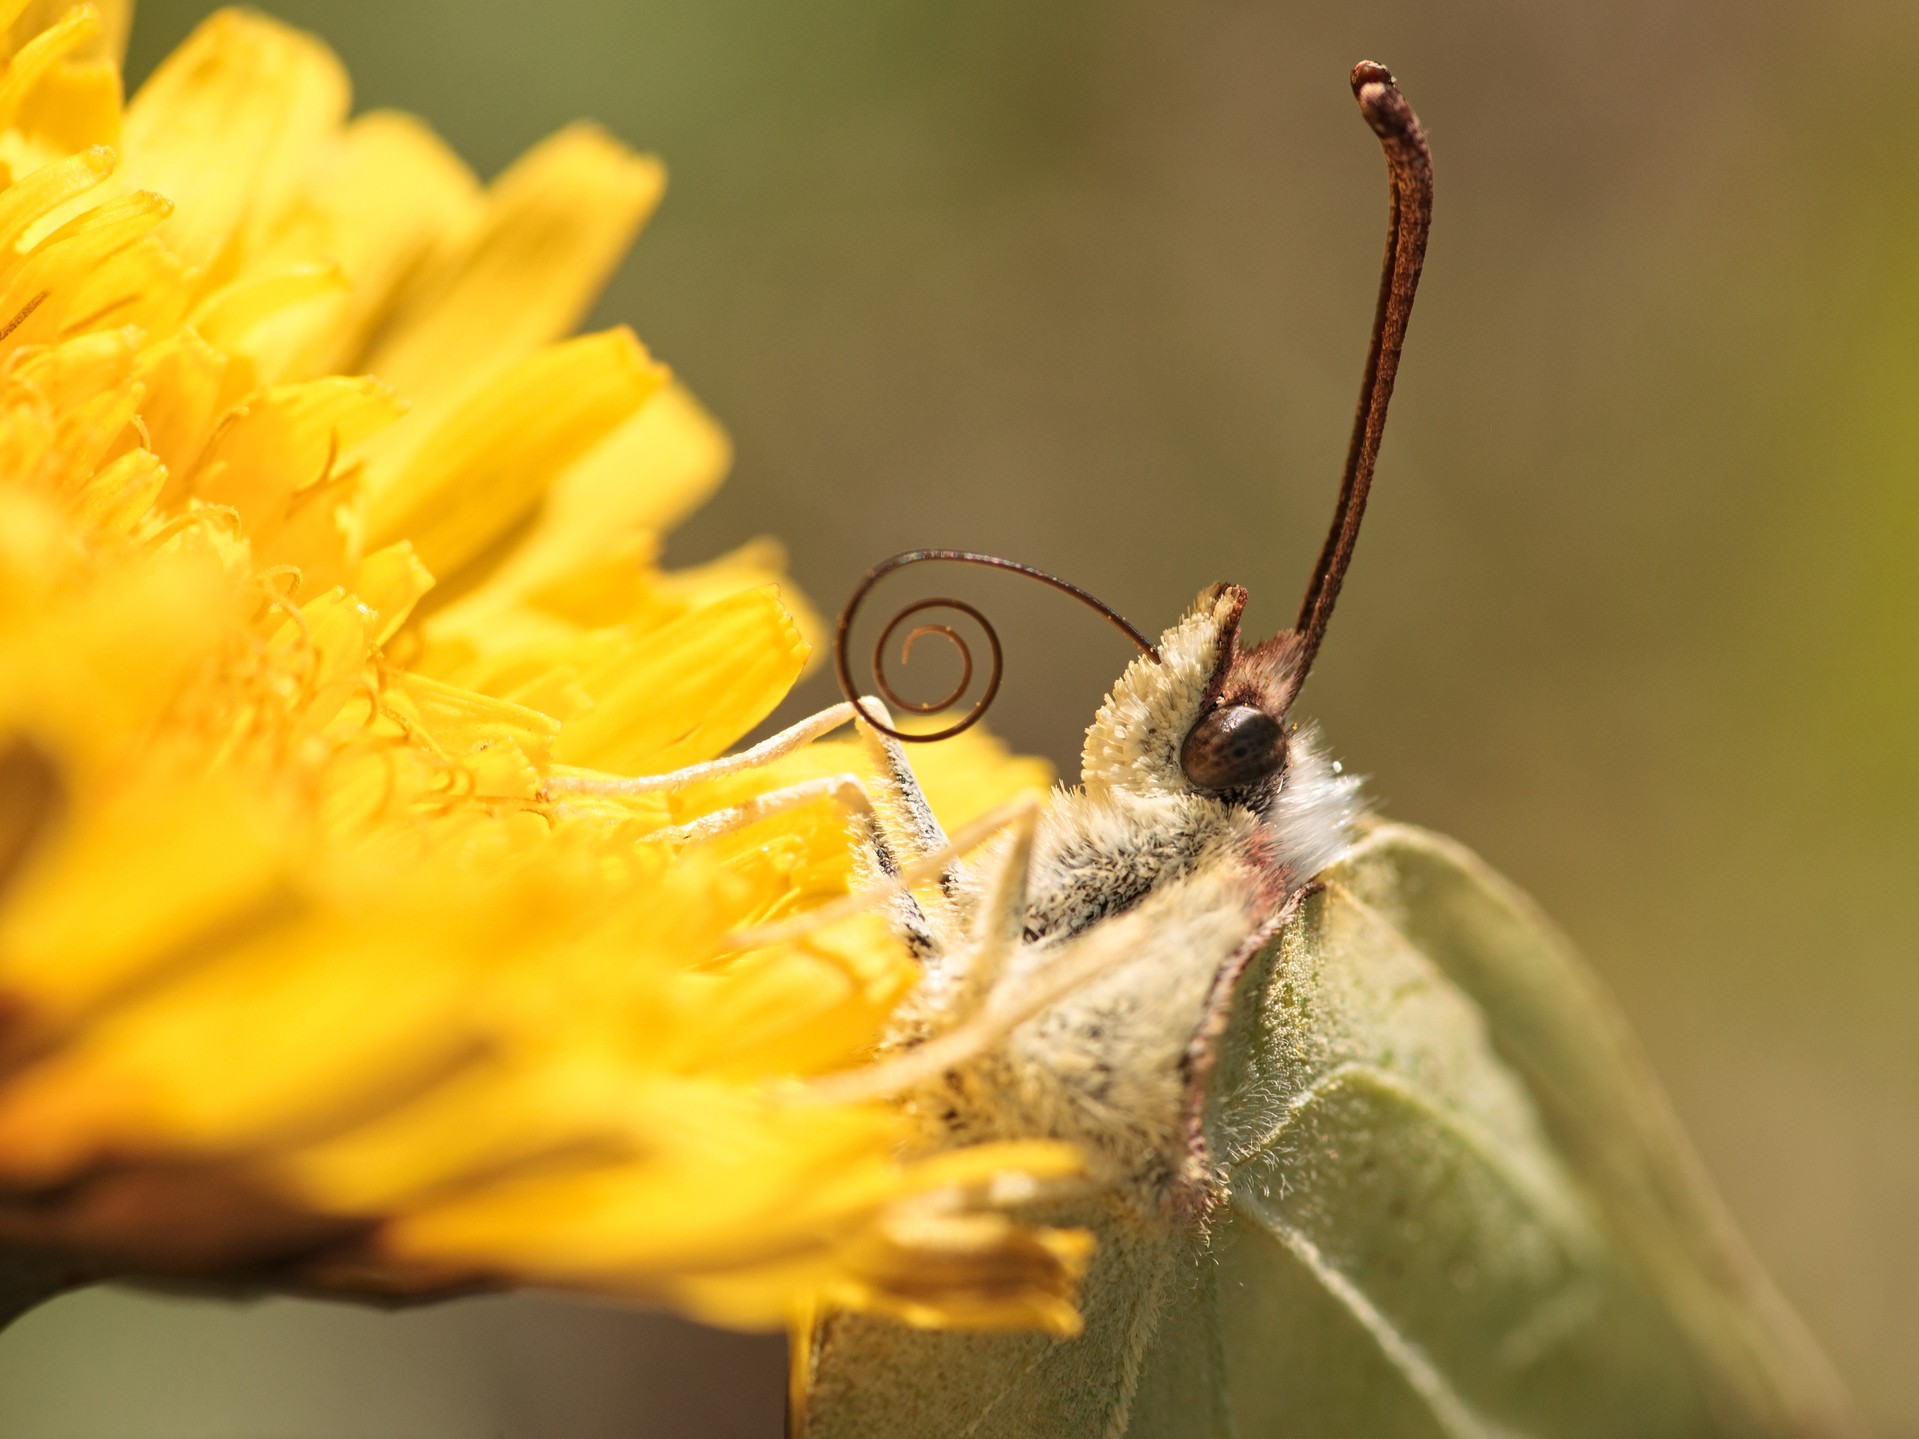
x=1453 y=1414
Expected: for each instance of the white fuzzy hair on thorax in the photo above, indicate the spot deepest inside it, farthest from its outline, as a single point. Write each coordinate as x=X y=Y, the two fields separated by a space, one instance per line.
x=1318 y=803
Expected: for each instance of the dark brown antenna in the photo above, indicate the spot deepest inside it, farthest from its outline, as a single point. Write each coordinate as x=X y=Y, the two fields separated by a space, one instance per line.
x=1409 y=166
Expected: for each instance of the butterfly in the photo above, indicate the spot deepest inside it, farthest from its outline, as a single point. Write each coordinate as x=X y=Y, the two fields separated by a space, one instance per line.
x=1368 y=1152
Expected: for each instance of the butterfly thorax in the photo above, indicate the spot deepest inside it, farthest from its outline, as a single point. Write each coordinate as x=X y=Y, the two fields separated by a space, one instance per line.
x=1173 y=888
x=1096 y=857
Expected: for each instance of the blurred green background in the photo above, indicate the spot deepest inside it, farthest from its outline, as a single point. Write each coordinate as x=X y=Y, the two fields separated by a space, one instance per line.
x=1087 y=282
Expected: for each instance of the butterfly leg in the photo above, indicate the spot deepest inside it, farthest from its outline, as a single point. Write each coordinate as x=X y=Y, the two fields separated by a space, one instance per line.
x=901 y=792
x=998 y=926
x=905 y=874
x=786 y=742
x=907 y=830
x=1003 y=1007
x=848 y=790
x=900 y=840
x=880 y=858
x=895 y=835
x=913 y=829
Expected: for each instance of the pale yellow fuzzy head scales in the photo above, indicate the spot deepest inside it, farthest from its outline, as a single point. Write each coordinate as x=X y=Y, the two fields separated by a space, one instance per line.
x=1133 y=744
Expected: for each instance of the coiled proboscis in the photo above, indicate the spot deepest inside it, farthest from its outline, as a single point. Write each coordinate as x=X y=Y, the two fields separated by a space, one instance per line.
x=883 y=682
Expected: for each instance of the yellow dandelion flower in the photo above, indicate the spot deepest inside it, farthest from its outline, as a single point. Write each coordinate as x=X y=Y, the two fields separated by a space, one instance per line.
x=323 y=556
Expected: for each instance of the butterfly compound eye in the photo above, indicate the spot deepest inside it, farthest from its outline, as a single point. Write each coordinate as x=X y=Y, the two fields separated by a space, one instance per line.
x=1232 y=747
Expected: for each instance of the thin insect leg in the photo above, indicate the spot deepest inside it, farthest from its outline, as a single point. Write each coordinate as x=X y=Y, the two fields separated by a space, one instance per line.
x=904 y=822
x=1081 y=960
x=901 y=831
x=1000 y=925
x=1019 y=812
x=765 y=752
x=905 y=810
x=909 y=920
x=893 y=834
x=847 y=789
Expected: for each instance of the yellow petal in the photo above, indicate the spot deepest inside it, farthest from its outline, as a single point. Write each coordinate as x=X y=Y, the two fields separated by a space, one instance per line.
x=291 y=1030
x=325 y=641
x=488 y=462
x=786 y=1203
x=31 y=799
x=936 y=1269
x=77 y=103
x=33 y=59
x=673 y=704
x=556 y=223
x=72 y=250
x=227 y=316
x=181 y=862
x=636 y=1217
x=226 y=126
x=474 y=730
x=390 y=582
x=65 y=376
x=182 y=378
x=617 y=586
x=808 y=1007
x=481 y=1123
x=121 y=494
x=50 y=287
x=45 y=290
x=86 y=676
x=42 y=190
x=272 y=322
x=390 y=199
x=286 y=439
x=17 y=33
x=645 y=476
x=755 y=563
x=21 y=20
x=141 y=284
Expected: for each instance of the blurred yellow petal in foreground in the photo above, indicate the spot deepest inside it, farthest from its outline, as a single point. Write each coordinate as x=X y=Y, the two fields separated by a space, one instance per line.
x=320 y=546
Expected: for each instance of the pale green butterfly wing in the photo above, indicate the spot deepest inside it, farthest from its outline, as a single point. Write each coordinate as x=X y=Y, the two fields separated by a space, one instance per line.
x=1748 y=1365
x=1403 y=1250
x=1182 y=1386
x=1456 y=1205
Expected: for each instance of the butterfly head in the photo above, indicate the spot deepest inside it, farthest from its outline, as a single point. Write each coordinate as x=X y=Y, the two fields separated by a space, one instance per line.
x=1200 y=712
